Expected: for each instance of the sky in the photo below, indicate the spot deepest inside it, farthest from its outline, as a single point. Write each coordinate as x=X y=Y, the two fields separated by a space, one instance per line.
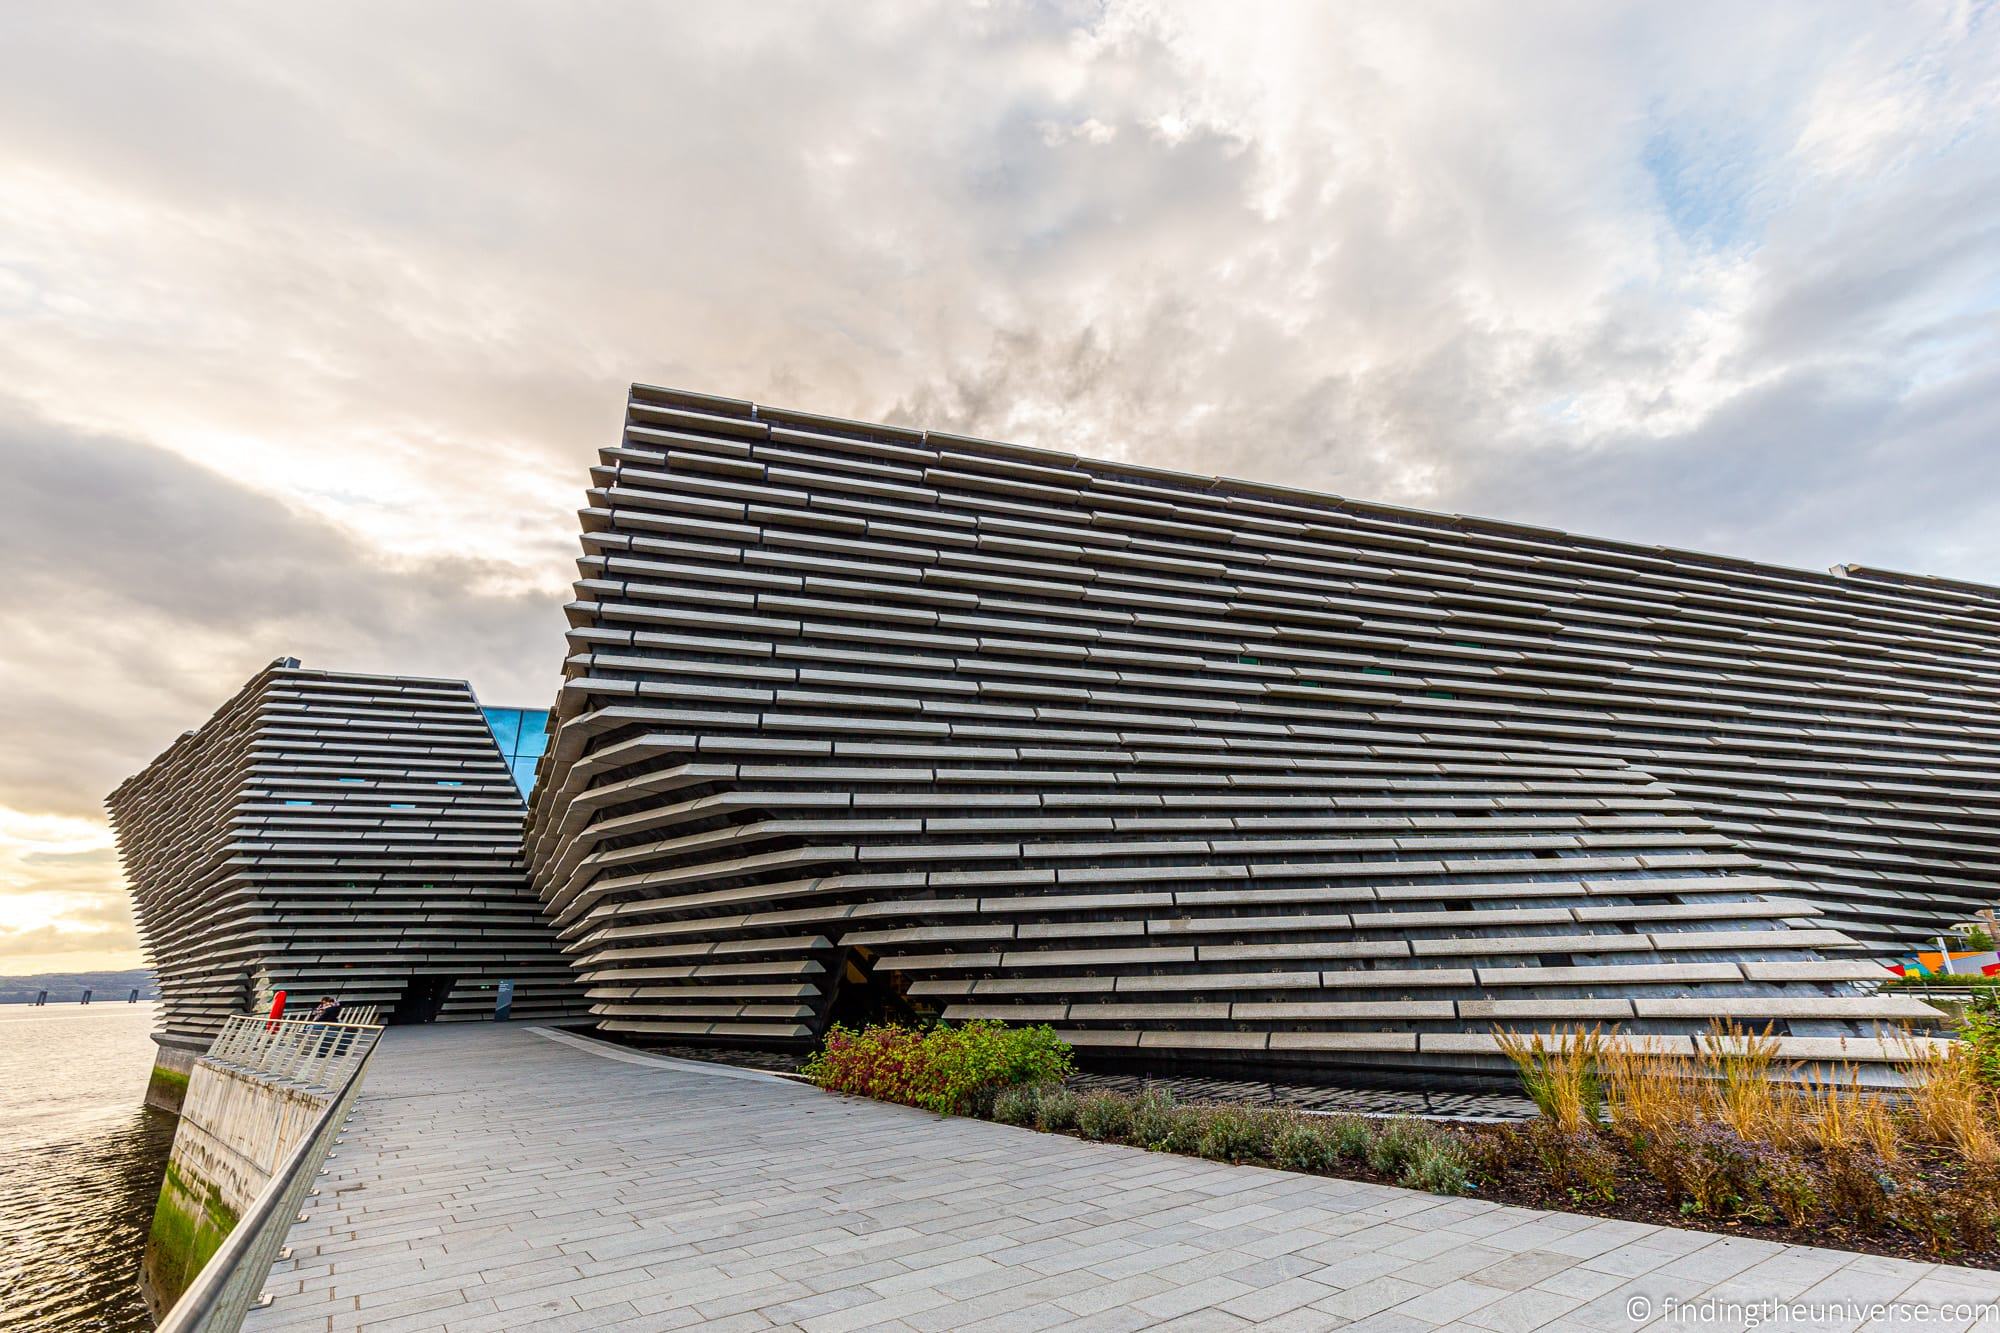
x=313 y=316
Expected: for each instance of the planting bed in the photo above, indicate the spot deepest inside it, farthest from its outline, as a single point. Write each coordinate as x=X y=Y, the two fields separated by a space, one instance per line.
x=1639 y=1197
x=1465 y=1106
x=1726 y=1141
x=1930 y=1204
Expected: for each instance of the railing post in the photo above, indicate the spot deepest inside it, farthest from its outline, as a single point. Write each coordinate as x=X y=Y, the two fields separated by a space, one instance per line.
x=317 y=1055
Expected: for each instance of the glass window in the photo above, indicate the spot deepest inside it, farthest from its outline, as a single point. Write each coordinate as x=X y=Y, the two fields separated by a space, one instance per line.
x=505 y=724
x=521 y=734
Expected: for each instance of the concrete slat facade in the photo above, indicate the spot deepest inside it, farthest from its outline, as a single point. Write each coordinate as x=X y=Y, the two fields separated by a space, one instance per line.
x=333 y=832
x=1210 y=769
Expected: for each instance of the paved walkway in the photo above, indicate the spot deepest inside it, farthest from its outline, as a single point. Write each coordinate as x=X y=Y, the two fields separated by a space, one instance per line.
x=493 y=1177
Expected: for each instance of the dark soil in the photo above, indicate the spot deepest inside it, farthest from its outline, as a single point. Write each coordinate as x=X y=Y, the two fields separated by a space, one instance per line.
x=1641 y=1198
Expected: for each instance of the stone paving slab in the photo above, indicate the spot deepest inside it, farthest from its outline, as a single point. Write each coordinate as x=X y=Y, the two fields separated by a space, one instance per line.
x=507 y=1178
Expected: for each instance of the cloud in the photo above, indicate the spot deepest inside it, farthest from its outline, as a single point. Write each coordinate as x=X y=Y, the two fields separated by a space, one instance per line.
x=54 y=873
x=1906 y=480
x=141 y=591
x=315 y=316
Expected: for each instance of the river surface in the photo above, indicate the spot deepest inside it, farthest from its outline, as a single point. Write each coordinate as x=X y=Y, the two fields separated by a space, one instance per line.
x=80 y=1164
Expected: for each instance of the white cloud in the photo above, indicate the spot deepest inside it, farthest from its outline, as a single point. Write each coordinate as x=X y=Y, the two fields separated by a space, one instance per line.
x=53 y=894
x=1705 y=274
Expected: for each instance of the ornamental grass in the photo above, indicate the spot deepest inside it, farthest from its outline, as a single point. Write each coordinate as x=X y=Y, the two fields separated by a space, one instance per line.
x=1562 y=1074
x=1731 y=1134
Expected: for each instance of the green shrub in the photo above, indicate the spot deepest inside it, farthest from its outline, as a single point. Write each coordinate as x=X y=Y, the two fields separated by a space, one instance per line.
x=1015 y=1106
x=1721 y=1170
x=1857 y=1186
x=1928 y=1216
x=1351 y=1136
x=1974 y=1207
x=1153 y=1118
x=1580 y=1162
x=1949 y=1219
x=1233 y=1134
x=944 y=1069
x=1789 y=1184
x=1055 y=1108
x=1104 y=1116
x=1186 y=1127
x=1302 y=1144
x=1439 y=1164
x=1493 y=1155
x=1980 y=1030
x=1395 y=1142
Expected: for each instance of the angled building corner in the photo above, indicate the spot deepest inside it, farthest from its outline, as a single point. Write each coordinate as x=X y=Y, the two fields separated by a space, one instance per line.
x=332 y=832
x=865 y=719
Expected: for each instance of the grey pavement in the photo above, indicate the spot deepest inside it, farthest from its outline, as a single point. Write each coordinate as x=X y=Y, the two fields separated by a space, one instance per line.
x=501 y=1177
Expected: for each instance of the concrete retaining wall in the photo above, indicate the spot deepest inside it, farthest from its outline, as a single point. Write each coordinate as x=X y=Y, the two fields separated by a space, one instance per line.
x=235 y=1130
x=172 y=1065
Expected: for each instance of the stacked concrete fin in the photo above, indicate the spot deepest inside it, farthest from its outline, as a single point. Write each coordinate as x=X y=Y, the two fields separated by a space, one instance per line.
x=330 y=832
x=1200 y=769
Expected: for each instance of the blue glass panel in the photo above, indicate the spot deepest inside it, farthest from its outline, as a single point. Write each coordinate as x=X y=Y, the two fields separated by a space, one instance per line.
x=524 y=774
x=505 y=723
x=534 y=734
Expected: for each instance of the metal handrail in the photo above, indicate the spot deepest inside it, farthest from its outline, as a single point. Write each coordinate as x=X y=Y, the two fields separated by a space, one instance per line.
x=309 y=1054
x=1946 y=994
x=230 y=1282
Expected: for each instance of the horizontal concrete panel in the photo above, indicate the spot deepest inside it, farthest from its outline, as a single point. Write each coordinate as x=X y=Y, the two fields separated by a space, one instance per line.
x=387 y=846
x=1247 y=755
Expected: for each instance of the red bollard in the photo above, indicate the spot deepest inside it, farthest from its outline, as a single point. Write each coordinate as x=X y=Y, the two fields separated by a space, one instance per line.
x=277 y=1011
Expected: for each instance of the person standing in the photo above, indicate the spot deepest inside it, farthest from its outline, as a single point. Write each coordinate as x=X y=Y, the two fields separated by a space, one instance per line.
x=330 y=1041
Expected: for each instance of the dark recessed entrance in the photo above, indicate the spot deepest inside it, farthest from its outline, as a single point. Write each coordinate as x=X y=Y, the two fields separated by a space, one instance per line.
x=422 y=999
x=864 y=993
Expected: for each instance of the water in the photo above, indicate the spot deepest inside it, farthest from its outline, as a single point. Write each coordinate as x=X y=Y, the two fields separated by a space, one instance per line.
x=80 y=1164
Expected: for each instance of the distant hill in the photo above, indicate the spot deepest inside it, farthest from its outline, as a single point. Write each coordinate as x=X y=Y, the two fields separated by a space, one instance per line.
x=68 y=987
